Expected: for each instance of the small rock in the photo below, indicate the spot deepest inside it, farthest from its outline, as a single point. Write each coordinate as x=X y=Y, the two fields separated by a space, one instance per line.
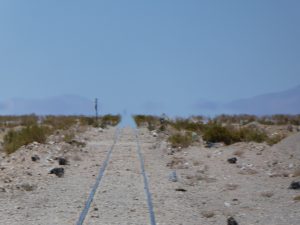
x=231 y=221
x=154 y=134
x=227 y=204
x=28 y=173
x=208 y=214
x=57 y=171
x=180 y=189
x=35 y=158
x=62 y=161
x=232 y=160
x=295 y=185
x=173 y=177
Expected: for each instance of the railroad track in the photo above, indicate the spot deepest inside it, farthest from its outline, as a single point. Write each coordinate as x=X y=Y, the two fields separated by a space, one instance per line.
x=121 y=193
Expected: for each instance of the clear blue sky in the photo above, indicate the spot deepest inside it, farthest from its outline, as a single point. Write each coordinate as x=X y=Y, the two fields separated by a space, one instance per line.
x=160 y=55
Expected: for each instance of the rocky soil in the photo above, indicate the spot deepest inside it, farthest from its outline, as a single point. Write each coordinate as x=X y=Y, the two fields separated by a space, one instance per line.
x=191 y=186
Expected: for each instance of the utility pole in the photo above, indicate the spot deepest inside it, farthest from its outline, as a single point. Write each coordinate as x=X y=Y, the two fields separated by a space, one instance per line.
x=96 y=109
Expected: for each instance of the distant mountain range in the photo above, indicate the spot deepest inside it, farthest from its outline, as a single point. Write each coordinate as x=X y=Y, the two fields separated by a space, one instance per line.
x=60 y=105
x=285 y=102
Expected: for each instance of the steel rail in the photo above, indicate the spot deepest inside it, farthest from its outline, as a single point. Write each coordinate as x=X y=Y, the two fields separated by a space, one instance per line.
x=98 y=179
x=146 y=184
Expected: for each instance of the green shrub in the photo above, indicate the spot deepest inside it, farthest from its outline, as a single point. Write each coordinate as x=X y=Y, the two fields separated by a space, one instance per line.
x=181 y=140
x=216 y=133
x=13 y=140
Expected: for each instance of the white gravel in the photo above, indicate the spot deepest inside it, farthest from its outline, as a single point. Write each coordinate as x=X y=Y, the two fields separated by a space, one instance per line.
x=253 y=191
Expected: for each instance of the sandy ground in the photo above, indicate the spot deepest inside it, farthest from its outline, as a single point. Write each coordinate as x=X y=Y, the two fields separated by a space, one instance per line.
x=207 y=191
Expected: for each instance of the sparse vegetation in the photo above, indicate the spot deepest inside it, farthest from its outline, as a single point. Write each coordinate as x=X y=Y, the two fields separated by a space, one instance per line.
x=181 y=140
x=228 y=129
x=13 y=140
x=60 y=122
x=216 y=133
x=243 y=119
x=228 y=135
x=26 y=129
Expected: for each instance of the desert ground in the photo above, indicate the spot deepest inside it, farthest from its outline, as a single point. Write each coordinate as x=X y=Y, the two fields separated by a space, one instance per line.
x=189 y=186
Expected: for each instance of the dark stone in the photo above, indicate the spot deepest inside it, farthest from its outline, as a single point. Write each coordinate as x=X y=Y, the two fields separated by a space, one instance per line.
x=231 y=221
x=295 y=185
x=62 y=161
x=35 y=158
x=232 y=160
x=180 y=189
x=57 y=171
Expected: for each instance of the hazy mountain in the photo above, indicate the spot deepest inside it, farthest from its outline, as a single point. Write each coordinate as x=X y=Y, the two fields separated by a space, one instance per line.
x=60 y=105
x=285 y=102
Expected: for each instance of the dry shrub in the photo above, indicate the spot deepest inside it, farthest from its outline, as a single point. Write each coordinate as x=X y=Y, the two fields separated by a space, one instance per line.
x=181 y=140
x=13 y=140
